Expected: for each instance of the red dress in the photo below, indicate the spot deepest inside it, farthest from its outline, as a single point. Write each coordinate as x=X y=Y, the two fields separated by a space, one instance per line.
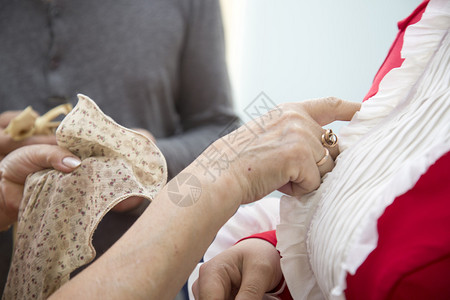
x=412 y=258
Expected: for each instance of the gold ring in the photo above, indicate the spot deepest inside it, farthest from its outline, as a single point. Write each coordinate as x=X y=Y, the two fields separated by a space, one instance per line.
x=324 y=158
x=329 y=139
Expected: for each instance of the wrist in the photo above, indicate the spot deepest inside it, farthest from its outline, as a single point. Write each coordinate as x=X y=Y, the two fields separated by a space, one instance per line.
x=221 y=194
x=222 y=164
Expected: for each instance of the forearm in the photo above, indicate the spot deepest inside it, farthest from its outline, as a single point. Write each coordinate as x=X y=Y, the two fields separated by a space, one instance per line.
x=155 y=257
x=181 y=150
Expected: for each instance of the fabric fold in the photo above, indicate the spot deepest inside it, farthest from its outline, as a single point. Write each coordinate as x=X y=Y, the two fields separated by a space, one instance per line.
x=60 y=212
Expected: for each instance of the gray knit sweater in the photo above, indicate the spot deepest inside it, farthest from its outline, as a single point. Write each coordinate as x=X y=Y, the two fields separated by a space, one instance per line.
x=154 y=64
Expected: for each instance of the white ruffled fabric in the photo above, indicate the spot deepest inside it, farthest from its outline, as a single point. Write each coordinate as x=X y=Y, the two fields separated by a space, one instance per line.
x=389 y=144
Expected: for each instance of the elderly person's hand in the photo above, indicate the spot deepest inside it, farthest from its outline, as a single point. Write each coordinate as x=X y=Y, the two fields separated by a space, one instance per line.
x=17 y=165
x=7 y=144
x=284 y=155
x=279 y=150
x=247 y=270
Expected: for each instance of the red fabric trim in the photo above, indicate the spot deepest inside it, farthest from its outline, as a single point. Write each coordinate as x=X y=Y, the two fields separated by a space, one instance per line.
x=394 y=59
x=410 y=19
x=268 y=236
x=411 y=260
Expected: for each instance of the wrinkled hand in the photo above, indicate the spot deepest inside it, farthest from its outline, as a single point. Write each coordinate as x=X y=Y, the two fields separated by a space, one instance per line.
x=17 y=165
x=247 y=270
x=279 y=150
x=7 y=144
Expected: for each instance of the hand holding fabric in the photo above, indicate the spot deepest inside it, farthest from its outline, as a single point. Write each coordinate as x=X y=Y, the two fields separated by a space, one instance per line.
x=17 y=165
x=279 y=150
x=245 y=271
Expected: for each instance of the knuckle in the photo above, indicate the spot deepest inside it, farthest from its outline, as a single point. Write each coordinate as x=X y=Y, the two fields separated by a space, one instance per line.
x=300 y=131
x=298 y=134
x=289 y=115
x=211 y=276
x=333 y=102
x=310 y=182
x=251 y=289
x=264 y=267
x=217 y=270
x=283 y=106
x=301 y=152
x=207 y=267
x=295 y=156
x=306 y=182
x=204 y=269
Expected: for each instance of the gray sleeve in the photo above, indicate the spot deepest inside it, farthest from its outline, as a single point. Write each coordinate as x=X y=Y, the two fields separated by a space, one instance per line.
x=204 y=96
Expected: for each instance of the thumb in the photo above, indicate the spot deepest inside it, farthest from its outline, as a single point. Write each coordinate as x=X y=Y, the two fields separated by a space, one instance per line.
x=17 y=165
x=328 y=110
x=257 y=279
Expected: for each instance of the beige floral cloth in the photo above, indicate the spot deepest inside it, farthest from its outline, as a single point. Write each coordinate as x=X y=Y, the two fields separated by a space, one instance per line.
x=60 y=212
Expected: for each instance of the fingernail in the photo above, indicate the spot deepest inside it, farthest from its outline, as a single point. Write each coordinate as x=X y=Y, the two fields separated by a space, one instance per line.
x=71 y=162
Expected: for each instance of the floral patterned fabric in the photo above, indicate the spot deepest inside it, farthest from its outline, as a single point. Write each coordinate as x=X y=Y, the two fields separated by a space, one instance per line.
x=60 y=212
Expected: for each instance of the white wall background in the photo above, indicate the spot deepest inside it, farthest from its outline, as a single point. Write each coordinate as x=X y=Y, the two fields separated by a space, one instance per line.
x=294 y=50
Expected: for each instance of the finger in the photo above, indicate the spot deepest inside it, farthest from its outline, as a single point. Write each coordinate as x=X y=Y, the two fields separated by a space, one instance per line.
x=326 y=163
x=252 y=289
x=327 y=110
x=317 y=133
x=40 y=139
x=26 y=160
x=298 y=189
x=261 y=271
x=333 y=151
x=330 y=141
x=305 y=173
x=255 y=282
x=217 y=278
x=7 y=144
x=195 y=290
x=11 y=193
x=47 y=156
x=7 y=116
